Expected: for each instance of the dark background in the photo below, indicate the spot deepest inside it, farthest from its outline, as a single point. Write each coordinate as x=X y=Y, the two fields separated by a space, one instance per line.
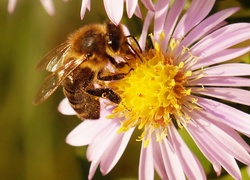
x=32 y=138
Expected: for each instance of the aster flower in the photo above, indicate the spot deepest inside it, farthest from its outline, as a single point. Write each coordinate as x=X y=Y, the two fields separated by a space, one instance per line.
x=177 y=85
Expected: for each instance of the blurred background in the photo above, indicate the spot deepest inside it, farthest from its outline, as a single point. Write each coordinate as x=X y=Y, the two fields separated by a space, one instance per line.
x=32 y=138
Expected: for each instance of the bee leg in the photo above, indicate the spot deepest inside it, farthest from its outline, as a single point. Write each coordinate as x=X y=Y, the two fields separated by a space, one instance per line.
x=117 y=64
x=116 y=76
x=105 y=93
x=137 y=52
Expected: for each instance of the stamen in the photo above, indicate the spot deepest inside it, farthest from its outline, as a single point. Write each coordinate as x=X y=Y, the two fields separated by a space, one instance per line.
x=154 y=94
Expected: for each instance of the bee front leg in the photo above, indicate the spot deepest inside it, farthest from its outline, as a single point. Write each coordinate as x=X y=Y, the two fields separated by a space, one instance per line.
x=105 y=93
x=111 y=77
x=117 y=64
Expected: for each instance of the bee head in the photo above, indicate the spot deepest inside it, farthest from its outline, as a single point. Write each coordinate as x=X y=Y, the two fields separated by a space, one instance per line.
x=89 y=41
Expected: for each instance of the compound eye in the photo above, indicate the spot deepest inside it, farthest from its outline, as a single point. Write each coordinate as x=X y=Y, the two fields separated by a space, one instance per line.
x=114 y=44
x=90 y=55
x=114 y=36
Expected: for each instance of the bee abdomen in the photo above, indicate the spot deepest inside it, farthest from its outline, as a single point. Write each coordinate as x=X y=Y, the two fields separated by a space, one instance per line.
x=74 y=97
x=85 y=105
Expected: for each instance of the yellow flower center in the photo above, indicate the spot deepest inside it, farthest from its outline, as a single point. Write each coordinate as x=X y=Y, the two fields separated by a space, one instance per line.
x=152 y=94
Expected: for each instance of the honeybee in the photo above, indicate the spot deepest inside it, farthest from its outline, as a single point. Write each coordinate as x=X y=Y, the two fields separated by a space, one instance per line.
x=80 y=63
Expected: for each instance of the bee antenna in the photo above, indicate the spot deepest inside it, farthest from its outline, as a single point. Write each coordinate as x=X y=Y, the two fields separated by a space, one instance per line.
x=130 y=36
x=133 y=48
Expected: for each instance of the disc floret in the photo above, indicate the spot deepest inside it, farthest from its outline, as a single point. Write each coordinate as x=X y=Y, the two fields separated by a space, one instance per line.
x=152 y=94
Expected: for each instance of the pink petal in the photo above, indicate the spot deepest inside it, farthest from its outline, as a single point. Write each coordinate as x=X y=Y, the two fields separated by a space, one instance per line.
x=205 y=26
x=220 y=56
x=146 y=166
x=230 y=94
x=101 y=140
x=197 y=11
x=138 y=12
x=148 y=4
x=221 y=81
x=92 y=168
x=161 y=8
x=48 y=6
x=114 y=9
x=232 y=69
x=221 y=39
x=227 y=114
x=235 y=135
x=85 y=5
x=85 y=132
x=144 y=34
x=203 y=149
x=171 y=20
x=223 y=140
x=190 y=163
x=115 y=151
x=65 y=108
x=171 y=161
x=96 y=149
x=157 y=155
x=204 y=139
x=217 y=26
x=11 y=6
x=130 y=7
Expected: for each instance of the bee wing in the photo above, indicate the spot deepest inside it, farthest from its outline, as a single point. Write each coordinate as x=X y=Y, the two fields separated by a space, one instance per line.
x=51 y=83
x=54 y=59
